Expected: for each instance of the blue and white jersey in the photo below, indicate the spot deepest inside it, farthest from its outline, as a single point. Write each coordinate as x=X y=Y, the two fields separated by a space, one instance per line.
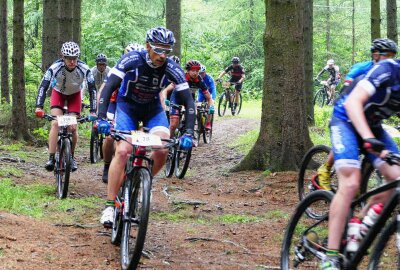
x=382 y=83
x=358 y=70
x=142 y=82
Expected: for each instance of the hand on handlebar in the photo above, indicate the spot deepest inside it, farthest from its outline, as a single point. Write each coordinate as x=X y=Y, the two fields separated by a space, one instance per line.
x=39 y=112
x=186 y=141
x=218 y=80
x=373 y=145
x=211 y=110
x=103 y=126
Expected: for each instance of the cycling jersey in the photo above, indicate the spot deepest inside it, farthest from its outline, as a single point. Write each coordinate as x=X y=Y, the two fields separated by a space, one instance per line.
x=67 y=82
x=334 y=75
x=235 y=72
x=209 y=81
x=196 y=84
x=357 y=70
x=98 y=76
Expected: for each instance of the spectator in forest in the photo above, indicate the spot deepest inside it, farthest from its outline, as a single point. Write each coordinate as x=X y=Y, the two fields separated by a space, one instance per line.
x=65 y=78
x=333 y=79
x=237 y=74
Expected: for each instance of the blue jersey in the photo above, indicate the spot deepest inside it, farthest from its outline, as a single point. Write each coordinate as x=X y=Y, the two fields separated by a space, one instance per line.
x=383 y=85
x=141 y=82
x=209 y=81
x=358 y=70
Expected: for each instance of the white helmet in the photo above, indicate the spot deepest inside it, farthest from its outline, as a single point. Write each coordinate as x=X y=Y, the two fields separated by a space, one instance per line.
x=133 y=47
x=330 y=62
x=70 y=48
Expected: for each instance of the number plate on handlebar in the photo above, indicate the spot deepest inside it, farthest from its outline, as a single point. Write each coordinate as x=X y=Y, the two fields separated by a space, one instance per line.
x=145 y=139
x=66 y=120
x=226 y=84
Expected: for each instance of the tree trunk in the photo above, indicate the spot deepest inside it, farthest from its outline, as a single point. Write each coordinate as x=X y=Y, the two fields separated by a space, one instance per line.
x=76 y=33
x=392 y=20
x=50 y=48
x=173 y=22
x=283 y=137
x=328 y=30
x=65 y=11
x=375 y=19
x=19 y=119
x=251 y=22
x=353 y=31
x=308 y=58
x=5 y=84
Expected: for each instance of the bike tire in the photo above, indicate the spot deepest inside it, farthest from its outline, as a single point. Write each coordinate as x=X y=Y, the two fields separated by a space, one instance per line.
x=384 y=252
x=239 y=106
x=182 y=161
x=312 y=160
x=94 y=146
x=116 y=230
x=320 y=98
x=222 y=102
x=101 y=140
x=63 y=169
x=300 y=226
x=198 y=129
x=170 y=163
x=132 y=240
x=207 y=135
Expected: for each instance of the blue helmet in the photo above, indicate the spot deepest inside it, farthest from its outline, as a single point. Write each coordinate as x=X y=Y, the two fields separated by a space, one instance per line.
x=160 y=35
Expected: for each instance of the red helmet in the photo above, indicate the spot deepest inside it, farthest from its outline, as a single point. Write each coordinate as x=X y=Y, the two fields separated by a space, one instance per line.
x=193 y=65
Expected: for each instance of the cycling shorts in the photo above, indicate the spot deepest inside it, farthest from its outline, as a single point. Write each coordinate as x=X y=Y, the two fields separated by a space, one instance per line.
x=346 y=144
x=128 y=115
x=238 y=87
x=74 y=101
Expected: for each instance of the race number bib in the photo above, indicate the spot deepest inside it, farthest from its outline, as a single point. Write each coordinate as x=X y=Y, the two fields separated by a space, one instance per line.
x=145 y=139
x=66 y=120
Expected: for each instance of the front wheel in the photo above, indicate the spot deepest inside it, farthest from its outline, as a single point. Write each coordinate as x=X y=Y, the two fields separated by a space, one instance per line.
x=170 y=163
x=320 y=98
x=135 y=221
x=239 y=104
x=207 y=134
x=116 y=230
x=222 y=102
x=95 y=148
x=182 y=160
x=303 y=232
x=63 y=169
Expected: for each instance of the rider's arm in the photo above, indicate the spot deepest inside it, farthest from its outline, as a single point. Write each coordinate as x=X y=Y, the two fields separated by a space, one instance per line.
x=206 y=92
x=221 y=75
x=184 y=97
x=92 y=91
x=44 y=85
x=211 y=86
x=242 y=79
x=320 y=73
x=167 y=90
x=113 y=82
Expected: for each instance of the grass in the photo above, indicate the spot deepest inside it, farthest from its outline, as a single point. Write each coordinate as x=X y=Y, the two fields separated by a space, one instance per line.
x=8 y=171
x=251 y=109
x=39 y=201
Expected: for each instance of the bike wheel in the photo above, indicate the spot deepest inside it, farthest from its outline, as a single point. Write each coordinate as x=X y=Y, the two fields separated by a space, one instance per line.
x=182 y=160
x=198 y=128
x=385 y=254
x=94 y=146
x=116 y=230
x=222 y=104
x=170 y=163
x=207 y=135
x=135 y=221
x=307 y=181
x=101 y=140
x=320 y=98
x=239 y=104
x=63 y=169
x=303 y=233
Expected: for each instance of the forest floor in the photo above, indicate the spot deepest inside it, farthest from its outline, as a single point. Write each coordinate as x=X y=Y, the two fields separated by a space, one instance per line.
x=240 y=224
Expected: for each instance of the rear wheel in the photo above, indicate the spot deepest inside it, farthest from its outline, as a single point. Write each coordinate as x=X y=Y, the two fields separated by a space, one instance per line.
x=223 y=101
x=116 y=230
x=320 y=98
x=136 y=220
x=63 y=169
x=303 y=231
x=95 y=148
x=182 y=160
x=207 y=135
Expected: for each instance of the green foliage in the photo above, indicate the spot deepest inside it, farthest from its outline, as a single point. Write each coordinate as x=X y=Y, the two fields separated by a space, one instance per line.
x=41 y=133
x=234 y=218
x=12 y=147
x=7 y=171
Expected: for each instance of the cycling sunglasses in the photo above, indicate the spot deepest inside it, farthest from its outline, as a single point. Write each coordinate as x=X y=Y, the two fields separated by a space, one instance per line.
x=160 y=50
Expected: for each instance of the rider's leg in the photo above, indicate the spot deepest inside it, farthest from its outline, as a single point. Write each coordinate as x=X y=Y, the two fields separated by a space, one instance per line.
x=108 y=152
x=324 y=173
x=159 y=156
x=173 y=124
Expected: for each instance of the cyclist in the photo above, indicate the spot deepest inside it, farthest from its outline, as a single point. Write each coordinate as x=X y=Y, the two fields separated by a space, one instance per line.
x=357 y=122
x=237 y=74
x=334 y=77
x=140 y=75
x=209 y=81
x=381 y=49
x=65 y=78
x=101 y=70
x=108 y=143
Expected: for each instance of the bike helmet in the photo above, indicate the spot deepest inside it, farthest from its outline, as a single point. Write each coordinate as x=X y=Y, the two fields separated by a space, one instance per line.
x=101 y=59
x=384 y=45
x=160 y=35
x=193 y=65
x=175 y=59
x=202 y=68
x=330 y=62
x=70 y=48
x=235 y=60
x=133 y=47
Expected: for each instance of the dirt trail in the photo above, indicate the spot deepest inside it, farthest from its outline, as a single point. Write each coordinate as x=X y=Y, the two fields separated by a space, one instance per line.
x=238 y=225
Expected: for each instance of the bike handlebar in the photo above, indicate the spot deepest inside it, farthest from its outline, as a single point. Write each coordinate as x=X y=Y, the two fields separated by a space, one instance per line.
x=392 y=158
x=53 y=117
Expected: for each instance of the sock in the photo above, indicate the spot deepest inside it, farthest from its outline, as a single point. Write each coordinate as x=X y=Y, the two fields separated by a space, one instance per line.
x=332 y=252
x=51 y=156
x=110 y=203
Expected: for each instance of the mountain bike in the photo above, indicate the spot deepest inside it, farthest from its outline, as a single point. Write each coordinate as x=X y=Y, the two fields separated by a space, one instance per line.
x=322 y=97
x=308 y=182
x=227 y=99
x=96 y=144
x=305 y=240
x=200 y=129
x=63 y=156
x=132 y=204
x=178 y=159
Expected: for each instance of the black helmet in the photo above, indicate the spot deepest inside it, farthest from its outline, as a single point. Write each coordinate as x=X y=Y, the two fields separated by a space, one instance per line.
x=175 y=59
x=384 y=45
x=193 y=64
x=160 y=35
x=101 y=59
x=235 y=60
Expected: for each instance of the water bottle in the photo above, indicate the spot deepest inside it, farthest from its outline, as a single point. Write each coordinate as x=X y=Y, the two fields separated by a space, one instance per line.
x=370 y=219
x=353 y=234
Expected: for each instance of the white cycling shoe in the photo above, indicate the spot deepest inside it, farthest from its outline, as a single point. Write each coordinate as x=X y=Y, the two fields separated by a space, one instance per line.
x=107 y=217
